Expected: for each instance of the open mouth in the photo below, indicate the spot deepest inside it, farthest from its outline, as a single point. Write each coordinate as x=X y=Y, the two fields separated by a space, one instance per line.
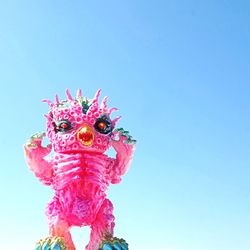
x=85 y=135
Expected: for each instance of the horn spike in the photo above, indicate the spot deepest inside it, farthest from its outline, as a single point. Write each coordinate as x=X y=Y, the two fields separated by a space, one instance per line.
x=49 y=102
x=97 y=94
x=104 y=103
x=79 y=93
x=47 y=116
x=116 y=120
x=112 y=110
x=68 y=95
x=56 y=99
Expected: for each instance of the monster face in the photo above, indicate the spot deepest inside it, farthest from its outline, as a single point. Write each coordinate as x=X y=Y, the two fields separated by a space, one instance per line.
x=80 y=124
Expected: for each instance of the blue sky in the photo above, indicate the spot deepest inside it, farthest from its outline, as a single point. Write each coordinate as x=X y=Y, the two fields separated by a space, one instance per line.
x=179 y=73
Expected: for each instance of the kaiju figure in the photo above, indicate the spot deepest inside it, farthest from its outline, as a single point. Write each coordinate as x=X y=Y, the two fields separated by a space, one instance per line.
x=80 y=132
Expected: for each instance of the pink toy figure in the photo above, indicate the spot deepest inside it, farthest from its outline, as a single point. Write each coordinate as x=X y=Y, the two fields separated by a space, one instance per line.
x=80 y=131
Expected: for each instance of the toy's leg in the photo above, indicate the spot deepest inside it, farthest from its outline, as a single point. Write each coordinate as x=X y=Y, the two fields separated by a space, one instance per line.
x=59 y=237
x=59 y=234
x=60 y=228
x=101 y=237
x=103 y=226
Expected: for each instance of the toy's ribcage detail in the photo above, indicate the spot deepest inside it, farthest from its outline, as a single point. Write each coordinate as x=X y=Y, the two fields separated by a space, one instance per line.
x=84 y=173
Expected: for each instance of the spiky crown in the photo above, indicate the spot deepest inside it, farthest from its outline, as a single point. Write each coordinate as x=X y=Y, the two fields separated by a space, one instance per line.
x=89 y=106
x=79 y=110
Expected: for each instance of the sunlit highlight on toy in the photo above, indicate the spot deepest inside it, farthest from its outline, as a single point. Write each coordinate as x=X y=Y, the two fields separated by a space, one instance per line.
x=80 y=132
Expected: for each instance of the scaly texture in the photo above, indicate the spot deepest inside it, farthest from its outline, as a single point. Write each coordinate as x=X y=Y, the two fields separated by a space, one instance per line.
x=80 y=132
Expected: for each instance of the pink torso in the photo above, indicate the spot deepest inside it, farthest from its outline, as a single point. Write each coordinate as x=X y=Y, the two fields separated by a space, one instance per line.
x=79 y=188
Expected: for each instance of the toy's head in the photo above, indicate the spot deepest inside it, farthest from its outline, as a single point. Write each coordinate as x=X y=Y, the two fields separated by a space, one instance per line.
x=80 y=124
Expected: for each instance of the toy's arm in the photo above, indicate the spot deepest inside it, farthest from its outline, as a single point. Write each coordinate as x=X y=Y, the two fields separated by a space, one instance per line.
x=124 y=147
x=35 y=154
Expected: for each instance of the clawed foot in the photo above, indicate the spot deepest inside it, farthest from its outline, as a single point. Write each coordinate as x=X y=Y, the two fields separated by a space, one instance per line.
x=51 y=243
x=114 y=244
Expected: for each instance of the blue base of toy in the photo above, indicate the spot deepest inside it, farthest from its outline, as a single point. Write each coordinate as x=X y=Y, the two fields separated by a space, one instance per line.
x=54 y=243
x=114 y=244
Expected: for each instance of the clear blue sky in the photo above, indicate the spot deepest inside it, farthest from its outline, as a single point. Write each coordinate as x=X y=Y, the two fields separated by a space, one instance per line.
x=179 y=71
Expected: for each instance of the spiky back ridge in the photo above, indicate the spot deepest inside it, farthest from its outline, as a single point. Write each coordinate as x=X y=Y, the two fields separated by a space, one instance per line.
x=78 y=111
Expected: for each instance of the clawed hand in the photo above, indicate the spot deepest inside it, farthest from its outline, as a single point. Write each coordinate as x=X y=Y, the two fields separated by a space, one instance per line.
x=34 y=144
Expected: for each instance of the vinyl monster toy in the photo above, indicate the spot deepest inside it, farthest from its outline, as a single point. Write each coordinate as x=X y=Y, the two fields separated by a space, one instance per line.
x=80 y=132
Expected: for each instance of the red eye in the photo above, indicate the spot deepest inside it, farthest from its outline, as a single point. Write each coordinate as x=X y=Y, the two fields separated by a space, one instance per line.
x=101 y=125
x=64 y=125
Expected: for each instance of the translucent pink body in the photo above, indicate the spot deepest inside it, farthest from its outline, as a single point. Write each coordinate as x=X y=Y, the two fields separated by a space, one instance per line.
x=79 y=173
